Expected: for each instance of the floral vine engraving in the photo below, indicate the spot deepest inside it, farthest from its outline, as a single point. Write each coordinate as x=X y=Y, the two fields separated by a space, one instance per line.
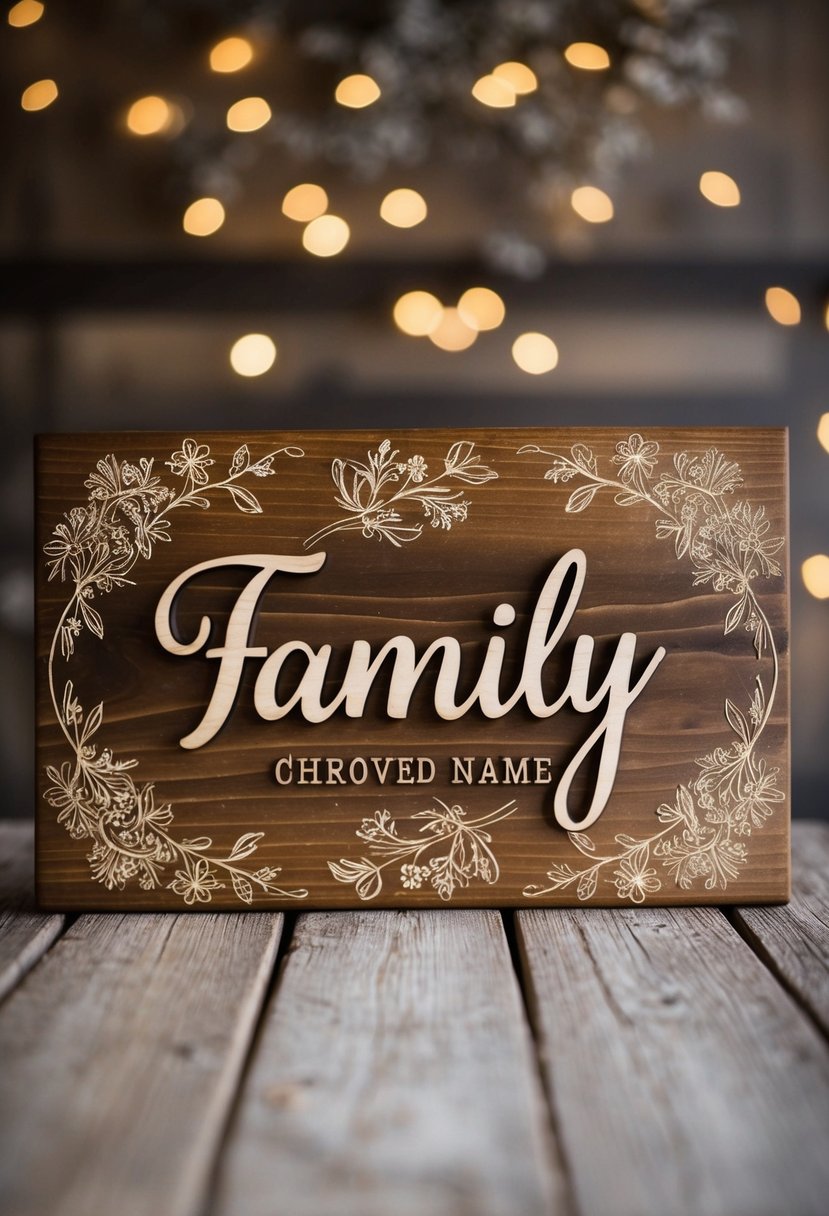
x=376 y=495
x=455 y=851
x=729 y=547
x=94 y=549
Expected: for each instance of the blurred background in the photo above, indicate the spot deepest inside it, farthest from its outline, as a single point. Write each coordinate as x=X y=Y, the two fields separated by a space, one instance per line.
x=413 y=212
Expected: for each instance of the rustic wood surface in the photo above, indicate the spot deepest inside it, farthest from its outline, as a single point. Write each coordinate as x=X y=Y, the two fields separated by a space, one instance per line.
x=121 y=1057
x=162 y=1065
x=794 y=940
x=683 y=1079
x=394 y=1073
x=448 y=581
x=25 y=933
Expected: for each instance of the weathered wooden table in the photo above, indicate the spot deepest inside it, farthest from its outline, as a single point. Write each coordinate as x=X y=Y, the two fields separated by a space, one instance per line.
x=387 y=1063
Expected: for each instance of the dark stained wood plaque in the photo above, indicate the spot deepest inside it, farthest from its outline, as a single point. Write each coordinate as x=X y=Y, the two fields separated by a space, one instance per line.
x=414 y=668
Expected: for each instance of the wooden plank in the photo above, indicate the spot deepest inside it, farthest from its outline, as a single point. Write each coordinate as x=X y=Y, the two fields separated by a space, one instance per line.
x=122 y=1053
x=684 y=1080
x=25 y=933
x=794 y=940
x=394 y=1074
x=426 y=653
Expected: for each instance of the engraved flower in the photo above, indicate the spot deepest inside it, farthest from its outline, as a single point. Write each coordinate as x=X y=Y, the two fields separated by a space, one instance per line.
x=463 y=462
x=635 y=881
x=412 y=876
x=634 y=456
x=192 y=461
x=416 y=467
x=196 y=883
x=71 y=540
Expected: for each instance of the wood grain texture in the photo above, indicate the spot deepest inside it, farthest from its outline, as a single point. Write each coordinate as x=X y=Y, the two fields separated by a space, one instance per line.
x=684 y=1080
x=25 y=933
x=794 y=940
x=121 y=1056
x=394 y=1073
x=442 y=582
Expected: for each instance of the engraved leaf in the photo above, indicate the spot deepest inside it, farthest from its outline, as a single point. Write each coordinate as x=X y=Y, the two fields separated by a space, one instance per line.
x=244 y=500
x=587 y=884
x=243 y=888
x=92 y=618
x=93 y=722
x=580 y=499
x=735 y=614
x=199 y=843
x=582 y=842
x=241 y=457
x=245 y=845
x=737 y=720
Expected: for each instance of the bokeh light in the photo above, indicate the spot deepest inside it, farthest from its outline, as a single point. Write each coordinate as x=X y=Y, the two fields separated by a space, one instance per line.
x=326 y=236
x=494 y=92
x=203 y=217
x=588 y=56
x=815 y=571
x=452 y=333
x=518 y=76
x=403 y=208
x=150 y=115
x=535 y=353
x=249 y=114
x=39 y=95
x=231 y=55
x=592 y=204
x=253 y=355
x=719 y=188
x=305 y=202
x=357 y=91
x=27 y=12
x=417 y=313
x=481 y=308
x=823 y=431
x=783 y=306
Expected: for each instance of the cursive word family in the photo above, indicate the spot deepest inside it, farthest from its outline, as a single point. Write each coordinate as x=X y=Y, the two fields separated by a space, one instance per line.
x=608 y=694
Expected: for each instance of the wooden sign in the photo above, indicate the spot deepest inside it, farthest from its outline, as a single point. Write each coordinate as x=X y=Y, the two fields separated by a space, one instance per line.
x=418 y=668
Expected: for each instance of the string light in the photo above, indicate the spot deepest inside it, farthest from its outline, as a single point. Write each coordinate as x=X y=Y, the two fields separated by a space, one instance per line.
x=783 y=306
x=231 y=55
x=249 y=114
x=452 y=333
x=481 y=308
x=39 y=95
x=535 y=353
x=592 y=204
x=357 y=91
x=203 y=217
x=518 y=76
x=326 y=236
x=823 y=431
x=815 y=571
x=27 y=12
x=588 y=56
x=305 y=202
x=418 y=313
x=494 y=92
x=719 y=188
x=150 y=116
x=403 y=208
x=253 y=355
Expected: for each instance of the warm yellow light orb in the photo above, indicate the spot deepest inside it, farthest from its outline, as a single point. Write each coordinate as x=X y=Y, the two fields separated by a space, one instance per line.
x=494 y=92
x=231 y=55
x=815 y=571
x=823 y=431
x=417 y=313
x=39 y=95
x=481 y=308
x=149 y=116
x=253 y=355
x=203 y=217
x=588 y=56
x=357 y=91
x=592 y=204
x=452 y=332
x=27 y=12
x=783 y=306
x=249 y=114
x=719 y=189
x=326 y=236
x=403 y=208
x=518 y=76
x=304 y=202
x=535 y=353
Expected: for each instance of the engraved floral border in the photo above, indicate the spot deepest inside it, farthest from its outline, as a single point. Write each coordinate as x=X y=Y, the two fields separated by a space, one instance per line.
x=94 y=548
x=729 y=545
